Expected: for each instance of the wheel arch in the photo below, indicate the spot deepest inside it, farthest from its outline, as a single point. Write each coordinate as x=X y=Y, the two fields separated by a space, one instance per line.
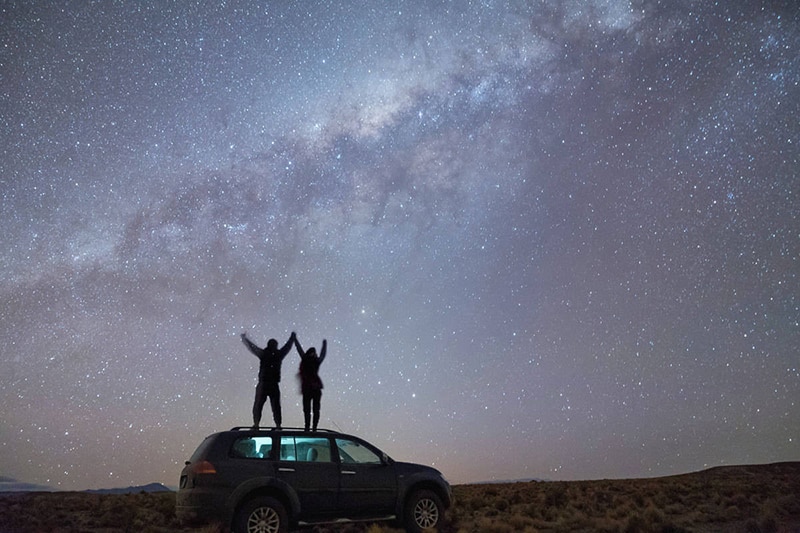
x=256 y=488
x=422 y=484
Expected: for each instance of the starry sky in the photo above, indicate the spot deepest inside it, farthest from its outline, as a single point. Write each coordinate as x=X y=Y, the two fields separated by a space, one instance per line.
x=551 y=239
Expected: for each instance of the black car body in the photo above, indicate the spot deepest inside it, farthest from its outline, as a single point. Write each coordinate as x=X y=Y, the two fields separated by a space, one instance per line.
x=266 y=480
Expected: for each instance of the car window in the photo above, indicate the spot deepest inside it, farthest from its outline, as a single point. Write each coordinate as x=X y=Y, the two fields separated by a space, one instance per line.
x=252 y=447
x=305 y=449
x=351 y=451
x=201 y=450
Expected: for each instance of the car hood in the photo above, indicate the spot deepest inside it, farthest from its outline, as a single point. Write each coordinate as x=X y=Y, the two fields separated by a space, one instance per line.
x=414 y=468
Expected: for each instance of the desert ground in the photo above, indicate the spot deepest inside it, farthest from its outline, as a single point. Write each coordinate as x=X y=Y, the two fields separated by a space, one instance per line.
x=746 y=499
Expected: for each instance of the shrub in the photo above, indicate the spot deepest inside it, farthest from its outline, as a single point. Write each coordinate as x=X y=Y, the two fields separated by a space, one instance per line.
x=555 y=496
x=635 y=524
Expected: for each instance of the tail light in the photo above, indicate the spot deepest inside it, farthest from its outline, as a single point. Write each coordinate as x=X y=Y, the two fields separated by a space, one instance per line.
x=193 y=474
x=204 y=467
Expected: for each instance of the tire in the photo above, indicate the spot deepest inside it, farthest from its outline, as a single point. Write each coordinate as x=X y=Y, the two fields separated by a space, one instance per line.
x=261 y=515
x=423 y=510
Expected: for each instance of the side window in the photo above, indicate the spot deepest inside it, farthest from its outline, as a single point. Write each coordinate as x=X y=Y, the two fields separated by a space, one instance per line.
x=264 y=447
x=306 y=449
x=244 y=448
x=288 y=449
x=352 y=452
x=253 y=448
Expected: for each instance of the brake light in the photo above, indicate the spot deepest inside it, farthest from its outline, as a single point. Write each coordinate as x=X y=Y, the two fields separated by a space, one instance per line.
x=204 y=467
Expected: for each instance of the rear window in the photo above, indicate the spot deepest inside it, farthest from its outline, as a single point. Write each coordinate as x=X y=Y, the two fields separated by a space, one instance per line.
x=200 y=452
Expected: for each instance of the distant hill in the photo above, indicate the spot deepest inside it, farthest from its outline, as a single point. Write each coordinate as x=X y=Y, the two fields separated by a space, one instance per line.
x=8 y=484
x=152 y=487
x=500 y=481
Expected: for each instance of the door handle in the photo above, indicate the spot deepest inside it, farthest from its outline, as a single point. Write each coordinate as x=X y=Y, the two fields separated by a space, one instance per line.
x=349 y=472
x=285 y=469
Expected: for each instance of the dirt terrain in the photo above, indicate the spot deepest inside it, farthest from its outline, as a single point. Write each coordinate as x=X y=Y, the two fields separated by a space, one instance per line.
x=746 y=499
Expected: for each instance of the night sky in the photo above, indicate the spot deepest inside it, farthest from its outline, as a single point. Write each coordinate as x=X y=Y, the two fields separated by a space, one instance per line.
x=551 y=239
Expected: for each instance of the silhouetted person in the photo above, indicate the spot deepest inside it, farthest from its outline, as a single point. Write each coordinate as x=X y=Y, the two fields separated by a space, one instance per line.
x=310 y=382
x=269 y=376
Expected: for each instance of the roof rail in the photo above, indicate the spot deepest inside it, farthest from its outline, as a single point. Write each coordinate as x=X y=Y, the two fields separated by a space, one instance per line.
x=269 y=428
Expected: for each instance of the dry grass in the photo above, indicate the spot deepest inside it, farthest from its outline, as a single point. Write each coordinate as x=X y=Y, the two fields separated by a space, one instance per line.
x=747 y=499
x=741 y=499
x=67 y=512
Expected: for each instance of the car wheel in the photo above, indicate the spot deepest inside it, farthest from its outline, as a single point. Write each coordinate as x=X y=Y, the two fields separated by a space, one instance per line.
x=262 y=515
x=423 y=510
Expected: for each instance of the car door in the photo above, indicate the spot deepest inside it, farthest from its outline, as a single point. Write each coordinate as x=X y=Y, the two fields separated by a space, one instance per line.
x=306 y=464
x=368 y=485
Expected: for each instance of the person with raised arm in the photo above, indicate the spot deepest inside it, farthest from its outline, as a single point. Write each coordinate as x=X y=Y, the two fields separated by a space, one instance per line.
x=310 y=382
x=269 y=376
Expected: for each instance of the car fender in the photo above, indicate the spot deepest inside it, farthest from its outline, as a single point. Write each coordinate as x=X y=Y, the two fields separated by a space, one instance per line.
x=408 y=482
x=255 y=484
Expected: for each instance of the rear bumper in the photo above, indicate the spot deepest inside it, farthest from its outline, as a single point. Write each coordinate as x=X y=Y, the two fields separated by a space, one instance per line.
x=195 y=506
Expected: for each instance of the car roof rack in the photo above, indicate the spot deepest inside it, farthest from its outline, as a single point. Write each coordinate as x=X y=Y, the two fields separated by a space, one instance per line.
x=270 y=428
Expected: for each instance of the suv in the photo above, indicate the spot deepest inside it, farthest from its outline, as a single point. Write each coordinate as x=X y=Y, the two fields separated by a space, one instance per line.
x=264 y=480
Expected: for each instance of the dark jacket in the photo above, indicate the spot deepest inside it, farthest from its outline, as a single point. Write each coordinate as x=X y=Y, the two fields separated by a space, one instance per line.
x=269 y=369
x=309 y=370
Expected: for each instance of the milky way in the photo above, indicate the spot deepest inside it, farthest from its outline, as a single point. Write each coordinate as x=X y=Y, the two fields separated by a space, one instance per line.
x=543 y=239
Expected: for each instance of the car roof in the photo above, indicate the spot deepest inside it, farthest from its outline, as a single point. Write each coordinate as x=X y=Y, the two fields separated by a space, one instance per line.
x=250 y=431
x=282 y=430
x=244 y=430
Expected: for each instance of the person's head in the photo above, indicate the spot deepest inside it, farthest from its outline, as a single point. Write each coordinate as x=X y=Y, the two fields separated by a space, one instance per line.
x=272 y=344
x=312 y=352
